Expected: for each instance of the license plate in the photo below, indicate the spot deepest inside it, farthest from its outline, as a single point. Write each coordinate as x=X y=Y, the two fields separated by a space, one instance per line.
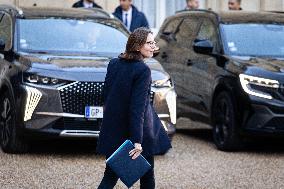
x=94 y=112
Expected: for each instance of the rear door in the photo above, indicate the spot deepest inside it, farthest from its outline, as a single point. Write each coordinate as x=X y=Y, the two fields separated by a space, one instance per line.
x=174 y=40
x=200 y=72
x=6 y=37
x=167 y=42
x=185 y=36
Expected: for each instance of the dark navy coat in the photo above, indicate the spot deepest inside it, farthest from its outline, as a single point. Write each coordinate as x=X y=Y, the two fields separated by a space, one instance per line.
x=128 y=113
x=138 y=18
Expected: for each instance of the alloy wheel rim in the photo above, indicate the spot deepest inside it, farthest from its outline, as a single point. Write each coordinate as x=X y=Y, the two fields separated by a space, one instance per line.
x=222 y=121
x=5 y=122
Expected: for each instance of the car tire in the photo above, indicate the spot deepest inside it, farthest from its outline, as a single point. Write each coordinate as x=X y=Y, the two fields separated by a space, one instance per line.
x=10 y=140
x=225 y=125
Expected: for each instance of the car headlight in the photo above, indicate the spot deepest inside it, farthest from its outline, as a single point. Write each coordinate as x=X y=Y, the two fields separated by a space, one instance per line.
x=171 y=101
x=260 y=87
x=162 y=83
x=42 y=80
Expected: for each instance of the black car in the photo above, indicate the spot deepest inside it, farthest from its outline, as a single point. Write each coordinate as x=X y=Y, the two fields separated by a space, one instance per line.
x=52 y=69
x=228 y=69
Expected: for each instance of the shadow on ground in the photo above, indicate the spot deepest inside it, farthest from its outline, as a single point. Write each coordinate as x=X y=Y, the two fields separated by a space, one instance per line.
x=88 y=147
x=201 y=134
x=61 y=146
x=255 y=144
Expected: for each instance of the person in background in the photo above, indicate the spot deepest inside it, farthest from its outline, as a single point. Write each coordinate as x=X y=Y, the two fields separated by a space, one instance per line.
x=235 y=5
x=192 y=4
x=128 y=112
x=130 y=16
x=86 y=4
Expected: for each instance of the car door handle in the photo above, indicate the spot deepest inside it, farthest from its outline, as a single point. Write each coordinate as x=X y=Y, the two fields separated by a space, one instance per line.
x=164 y=55
x=189 y=62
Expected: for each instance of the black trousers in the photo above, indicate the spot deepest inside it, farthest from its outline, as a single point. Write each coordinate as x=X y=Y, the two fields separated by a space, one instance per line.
x=146 y=182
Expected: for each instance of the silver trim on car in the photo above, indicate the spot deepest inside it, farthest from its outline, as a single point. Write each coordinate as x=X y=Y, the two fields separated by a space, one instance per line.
x=32 y=100
x=79 y=133
x=81 y=116
x=163 y=115
x=60 y=114
x=64 y=86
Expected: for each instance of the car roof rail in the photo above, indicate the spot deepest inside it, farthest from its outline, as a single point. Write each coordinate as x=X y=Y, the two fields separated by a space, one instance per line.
x=11 y=8
x=279 y=12
x=100 y=12
x=201 y=10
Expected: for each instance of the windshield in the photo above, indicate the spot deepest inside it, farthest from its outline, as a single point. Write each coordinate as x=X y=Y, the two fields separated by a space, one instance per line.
x=70 y=36
x=248 y=39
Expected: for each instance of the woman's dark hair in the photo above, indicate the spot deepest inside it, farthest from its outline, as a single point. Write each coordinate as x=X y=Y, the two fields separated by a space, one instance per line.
x=134 y=43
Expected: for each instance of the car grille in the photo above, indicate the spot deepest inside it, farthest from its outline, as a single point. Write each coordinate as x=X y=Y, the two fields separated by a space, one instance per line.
x=76 y=96
x=77 y=124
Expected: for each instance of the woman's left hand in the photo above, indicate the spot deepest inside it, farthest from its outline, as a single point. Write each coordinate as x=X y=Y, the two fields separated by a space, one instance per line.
x=136 y=151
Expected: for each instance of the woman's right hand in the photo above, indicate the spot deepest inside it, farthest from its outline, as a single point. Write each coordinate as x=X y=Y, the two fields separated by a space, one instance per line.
x=136 y=151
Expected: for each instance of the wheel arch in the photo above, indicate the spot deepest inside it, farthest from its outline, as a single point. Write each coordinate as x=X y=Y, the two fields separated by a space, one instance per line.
x=3 y=88
x=7 y=86
x=223 y=87
x=16 y=143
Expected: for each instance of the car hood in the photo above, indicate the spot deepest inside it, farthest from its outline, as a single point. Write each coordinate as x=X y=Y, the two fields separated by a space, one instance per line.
x=80 y=68
x=261 y=67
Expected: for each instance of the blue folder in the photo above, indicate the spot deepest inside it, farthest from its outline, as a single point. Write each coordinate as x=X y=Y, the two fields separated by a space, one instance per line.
x=127 y=169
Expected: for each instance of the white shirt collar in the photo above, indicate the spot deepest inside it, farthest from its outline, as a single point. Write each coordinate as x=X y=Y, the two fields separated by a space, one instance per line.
x=87 y=5
x=128 y=12
x=129 y=17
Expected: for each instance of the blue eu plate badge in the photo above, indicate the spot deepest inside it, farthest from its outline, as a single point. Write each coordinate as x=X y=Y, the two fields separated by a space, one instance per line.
x=94 y=112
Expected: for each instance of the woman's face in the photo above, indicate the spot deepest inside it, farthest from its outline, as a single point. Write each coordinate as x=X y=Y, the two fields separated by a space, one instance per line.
x=148 y=48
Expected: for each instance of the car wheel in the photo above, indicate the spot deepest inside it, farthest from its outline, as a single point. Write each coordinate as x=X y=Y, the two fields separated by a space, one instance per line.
x=10 y=140
x=225 y=132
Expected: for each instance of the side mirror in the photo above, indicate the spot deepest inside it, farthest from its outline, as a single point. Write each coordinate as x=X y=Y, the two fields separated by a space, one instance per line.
x=168 y=36
x=2 y=45
x=203 y=46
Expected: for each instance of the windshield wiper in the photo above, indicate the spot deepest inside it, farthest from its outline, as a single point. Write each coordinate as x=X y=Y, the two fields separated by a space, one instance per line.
x=35 y=51
x=41 y=52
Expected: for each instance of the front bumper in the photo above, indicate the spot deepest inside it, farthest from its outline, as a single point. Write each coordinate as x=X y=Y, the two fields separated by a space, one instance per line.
x=266 y=117
x=59 y=112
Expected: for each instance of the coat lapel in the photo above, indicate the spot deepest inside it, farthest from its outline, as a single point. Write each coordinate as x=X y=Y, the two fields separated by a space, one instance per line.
x=134 y=17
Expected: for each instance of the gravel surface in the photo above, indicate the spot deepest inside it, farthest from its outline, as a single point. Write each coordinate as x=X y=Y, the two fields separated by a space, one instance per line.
x=192 y=163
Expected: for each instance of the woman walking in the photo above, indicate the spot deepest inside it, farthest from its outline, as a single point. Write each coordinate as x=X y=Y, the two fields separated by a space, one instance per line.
x=128 y=113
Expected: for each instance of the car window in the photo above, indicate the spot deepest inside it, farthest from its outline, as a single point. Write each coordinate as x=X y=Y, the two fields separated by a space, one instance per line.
x=208 y=31
x=6 y=30
x=187 y=32
x=171 y=27
x=253 y=39
x=70 y=36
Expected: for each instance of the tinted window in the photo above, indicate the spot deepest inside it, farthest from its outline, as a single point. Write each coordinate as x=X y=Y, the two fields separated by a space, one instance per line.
x=171 y=27
x=70 y=36
x=187 y=32
x=208 y=31
x=253 y=39
x=6 y=30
